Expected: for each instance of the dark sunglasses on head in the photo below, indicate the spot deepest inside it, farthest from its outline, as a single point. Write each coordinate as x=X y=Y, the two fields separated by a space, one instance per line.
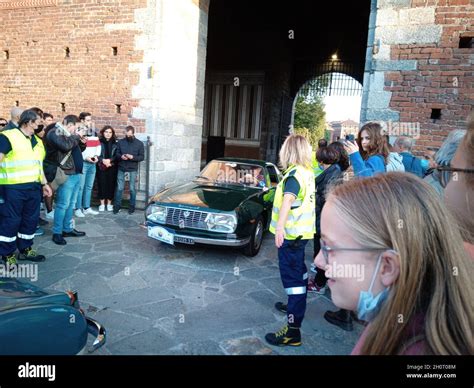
x=446 y=173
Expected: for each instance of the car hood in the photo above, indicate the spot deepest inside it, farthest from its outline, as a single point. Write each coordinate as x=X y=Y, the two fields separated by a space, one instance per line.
x=17 y=293
x=218 y=197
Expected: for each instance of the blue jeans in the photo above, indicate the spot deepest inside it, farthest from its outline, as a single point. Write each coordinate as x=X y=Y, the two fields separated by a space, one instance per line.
x=86 y=185
x=121 y=185
x=66 y=196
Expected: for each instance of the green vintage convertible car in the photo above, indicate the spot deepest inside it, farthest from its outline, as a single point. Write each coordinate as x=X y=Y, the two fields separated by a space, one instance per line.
x=229 y=204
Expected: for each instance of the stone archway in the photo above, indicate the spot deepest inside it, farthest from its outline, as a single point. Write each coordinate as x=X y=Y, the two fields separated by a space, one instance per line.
x=285 y=44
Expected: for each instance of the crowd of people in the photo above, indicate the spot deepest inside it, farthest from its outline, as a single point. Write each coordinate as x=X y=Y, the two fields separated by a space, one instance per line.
x=57 y=162
x=405 y=222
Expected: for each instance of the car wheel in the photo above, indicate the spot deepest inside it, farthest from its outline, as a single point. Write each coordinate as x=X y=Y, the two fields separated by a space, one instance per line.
x=256 y=238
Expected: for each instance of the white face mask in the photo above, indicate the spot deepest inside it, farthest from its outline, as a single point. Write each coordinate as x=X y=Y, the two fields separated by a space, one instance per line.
x=369 y=305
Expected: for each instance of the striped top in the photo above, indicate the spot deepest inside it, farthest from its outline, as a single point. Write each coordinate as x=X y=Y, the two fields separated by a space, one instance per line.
x=93 y=147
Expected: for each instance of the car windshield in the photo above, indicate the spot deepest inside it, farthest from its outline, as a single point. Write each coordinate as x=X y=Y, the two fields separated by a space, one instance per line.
x=234 y=173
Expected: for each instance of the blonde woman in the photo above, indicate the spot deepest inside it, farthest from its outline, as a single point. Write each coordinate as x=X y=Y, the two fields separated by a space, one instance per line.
x=411 y=277
x=293 y=223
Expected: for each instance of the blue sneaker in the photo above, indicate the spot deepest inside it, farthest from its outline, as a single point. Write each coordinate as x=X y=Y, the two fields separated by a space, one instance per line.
x=39 y=231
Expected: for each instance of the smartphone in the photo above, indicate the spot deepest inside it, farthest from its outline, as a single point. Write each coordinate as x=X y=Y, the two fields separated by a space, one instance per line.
x=350 y=138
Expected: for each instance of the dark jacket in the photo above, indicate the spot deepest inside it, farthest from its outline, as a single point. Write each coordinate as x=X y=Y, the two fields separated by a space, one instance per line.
x=113 y=150
x=134 y=148
x=331 y=175
x=57 y=147
x=10 y=125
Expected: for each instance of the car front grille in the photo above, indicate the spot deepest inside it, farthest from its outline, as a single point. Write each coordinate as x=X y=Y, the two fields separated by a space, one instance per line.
x=186 y=218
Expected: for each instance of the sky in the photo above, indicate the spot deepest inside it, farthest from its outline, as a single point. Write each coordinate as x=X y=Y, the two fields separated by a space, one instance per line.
x=342 y=108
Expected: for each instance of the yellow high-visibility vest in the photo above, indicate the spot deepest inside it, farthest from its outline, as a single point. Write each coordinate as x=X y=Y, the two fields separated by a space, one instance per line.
x=22 y=164
x=302 y=216
x=317 y=170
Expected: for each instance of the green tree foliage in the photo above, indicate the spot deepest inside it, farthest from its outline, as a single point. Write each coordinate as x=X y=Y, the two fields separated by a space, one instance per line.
x=310 y=118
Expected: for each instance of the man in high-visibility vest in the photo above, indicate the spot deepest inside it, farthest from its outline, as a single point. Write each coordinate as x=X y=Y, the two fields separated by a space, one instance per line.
x=293 y=223
x=15 y=114
x=21 y=179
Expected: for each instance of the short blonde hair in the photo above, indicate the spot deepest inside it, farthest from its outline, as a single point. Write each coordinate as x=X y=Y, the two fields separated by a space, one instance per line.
x=296 y=150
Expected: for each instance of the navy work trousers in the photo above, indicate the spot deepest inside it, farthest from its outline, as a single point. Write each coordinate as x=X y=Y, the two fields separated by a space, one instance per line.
x=295 y=278
x=19 y=214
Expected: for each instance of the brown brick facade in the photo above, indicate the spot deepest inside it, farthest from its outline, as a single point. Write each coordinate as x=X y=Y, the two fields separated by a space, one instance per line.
x=64 y=54
x=444 y=78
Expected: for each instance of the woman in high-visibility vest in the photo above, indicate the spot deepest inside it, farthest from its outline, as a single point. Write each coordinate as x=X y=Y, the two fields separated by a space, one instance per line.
x=293 y=223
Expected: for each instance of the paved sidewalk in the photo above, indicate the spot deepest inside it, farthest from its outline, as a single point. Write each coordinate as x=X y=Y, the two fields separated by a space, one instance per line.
x=159 y=299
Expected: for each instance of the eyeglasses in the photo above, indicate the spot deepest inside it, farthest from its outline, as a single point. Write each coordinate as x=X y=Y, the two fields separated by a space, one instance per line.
x=327 y=249
x=447 y=173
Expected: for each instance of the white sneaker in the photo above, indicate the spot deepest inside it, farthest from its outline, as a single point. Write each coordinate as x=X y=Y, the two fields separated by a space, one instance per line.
x=90 y=211
x=79 y=213
x=50 y=215
x=110 y=208
x=102 y=208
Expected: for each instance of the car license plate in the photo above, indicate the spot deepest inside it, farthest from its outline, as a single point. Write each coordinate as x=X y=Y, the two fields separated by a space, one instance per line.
x=184 y=240
x=161 y=234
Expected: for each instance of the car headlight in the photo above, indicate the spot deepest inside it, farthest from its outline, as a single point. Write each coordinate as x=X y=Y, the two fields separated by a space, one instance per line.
x=156 y=213
x=221 y=222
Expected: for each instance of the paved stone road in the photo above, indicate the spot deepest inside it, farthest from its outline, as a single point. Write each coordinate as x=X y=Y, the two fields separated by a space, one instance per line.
x=158 y=299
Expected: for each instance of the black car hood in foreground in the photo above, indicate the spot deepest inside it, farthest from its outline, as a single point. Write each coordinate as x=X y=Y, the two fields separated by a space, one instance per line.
x=218 y=197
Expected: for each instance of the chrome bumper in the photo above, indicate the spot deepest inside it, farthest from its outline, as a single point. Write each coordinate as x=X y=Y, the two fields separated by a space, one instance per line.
x=213 y=241
x=96 y=329
x=223 y=242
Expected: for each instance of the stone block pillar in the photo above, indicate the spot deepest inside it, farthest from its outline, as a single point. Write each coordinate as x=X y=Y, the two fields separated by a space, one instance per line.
x=171 y=86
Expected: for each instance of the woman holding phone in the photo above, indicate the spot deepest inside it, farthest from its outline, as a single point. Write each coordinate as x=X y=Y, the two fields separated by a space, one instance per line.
x=369 y=153
x=368 y=156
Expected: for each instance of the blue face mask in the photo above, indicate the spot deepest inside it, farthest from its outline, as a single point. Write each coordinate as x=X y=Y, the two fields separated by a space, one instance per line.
x=369 y=305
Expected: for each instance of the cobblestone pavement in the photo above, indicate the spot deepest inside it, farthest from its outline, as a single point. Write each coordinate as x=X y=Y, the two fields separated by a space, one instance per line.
x=159 y=299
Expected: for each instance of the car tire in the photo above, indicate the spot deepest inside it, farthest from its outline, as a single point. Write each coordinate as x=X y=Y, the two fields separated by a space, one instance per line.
x=256 y=238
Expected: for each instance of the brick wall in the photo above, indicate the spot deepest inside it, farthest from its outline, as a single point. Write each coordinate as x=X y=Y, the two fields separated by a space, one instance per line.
x=415 y=67
x=444 y=78
x=92 y=78
x=62 y=52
